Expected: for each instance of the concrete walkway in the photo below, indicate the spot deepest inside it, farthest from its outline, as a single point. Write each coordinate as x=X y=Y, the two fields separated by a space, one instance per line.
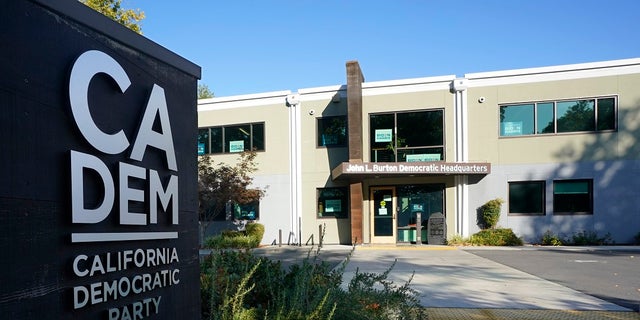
x=447 y=277
x=454 y=284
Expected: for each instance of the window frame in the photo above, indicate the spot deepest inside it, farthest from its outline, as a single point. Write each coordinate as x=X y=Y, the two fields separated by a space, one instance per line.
x=344 y=205
x=344 y=144
x=589 y=194
x=223 y=139
x=394 y=135
x=537 y=127
x=542 y=203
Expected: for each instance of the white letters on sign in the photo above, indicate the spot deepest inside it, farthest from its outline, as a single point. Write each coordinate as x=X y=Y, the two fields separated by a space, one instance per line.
x=84 y=69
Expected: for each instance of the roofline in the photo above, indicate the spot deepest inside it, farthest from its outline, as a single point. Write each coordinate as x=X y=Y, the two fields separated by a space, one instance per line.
x=245 y=100
x=98 y=22
x=554 y=69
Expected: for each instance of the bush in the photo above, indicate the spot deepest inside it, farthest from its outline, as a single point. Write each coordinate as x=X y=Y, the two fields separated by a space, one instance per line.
x=590 y=238
x=495 y=237
x=489 y=213
x=550 y=239
x=255 y=231
x=637 y=238
x=458 y=240
x=231 y=239
x=238 y=285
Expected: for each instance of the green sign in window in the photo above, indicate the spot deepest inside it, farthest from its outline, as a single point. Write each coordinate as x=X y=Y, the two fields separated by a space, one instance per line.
x=236 y=146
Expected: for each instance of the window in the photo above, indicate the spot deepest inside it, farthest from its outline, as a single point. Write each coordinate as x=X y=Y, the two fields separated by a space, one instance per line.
x=551 y=117
x=230 y=139
x=526 y=198
x=249 y=211
x=573 y=196
x=407 y=136
x=332 y=202
x=332 y=131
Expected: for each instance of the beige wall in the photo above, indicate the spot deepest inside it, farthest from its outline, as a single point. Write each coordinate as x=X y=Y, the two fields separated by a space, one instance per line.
x=275 y=158
x=317 y=163
x=485 y=145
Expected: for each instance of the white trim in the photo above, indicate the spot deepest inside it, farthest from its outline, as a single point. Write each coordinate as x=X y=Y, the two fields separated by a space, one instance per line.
x=295 y=169
x=121 y=236
x=249 y=100
x=555 y=73
x=323 y=89
x=407 y=85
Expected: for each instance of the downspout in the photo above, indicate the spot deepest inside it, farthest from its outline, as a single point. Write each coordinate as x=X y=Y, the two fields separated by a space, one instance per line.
x=459 y=88
x=295 y=185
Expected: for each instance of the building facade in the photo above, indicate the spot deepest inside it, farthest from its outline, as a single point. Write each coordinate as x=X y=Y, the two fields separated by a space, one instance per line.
x=373 y=162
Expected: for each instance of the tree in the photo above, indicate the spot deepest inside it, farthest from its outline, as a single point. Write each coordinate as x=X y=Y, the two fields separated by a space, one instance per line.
x=204 y=92
x=112 y=8
x=220 y=184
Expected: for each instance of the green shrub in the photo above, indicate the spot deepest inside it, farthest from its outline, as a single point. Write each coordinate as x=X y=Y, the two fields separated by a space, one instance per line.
x=238 y=285
x=489 y=213
x=495 y=237
x=231 y=239
x=255 y=231
x=590 y=238
x=458 y=240
x=550 y=239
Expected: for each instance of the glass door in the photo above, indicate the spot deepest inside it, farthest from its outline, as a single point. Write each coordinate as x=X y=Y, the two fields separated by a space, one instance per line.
x=383 y=214
x=415 y=204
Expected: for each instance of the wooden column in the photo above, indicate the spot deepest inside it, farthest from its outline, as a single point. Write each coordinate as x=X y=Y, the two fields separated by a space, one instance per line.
x=354 y=119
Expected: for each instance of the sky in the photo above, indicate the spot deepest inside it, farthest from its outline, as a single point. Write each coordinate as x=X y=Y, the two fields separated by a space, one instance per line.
x=246 y=47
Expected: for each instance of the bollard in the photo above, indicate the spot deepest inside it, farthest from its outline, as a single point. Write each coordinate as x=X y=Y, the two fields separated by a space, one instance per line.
x=418 y=228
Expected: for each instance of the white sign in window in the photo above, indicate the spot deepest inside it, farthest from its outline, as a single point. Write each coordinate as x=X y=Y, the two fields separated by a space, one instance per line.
x=383 y=135
x=423 y=157
x=236 y=146
x=512 y=128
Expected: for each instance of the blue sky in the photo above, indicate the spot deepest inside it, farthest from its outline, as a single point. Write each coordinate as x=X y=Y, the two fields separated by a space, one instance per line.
x=249 y=47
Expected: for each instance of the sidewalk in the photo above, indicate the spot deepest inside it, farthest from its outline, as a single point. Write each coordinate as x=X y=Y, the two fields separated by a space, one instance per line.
x=454 y=284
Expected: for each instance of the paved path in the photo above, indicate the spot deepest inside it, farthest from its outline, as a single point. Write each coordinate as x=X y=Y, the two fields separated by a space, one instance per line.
x=455 y=284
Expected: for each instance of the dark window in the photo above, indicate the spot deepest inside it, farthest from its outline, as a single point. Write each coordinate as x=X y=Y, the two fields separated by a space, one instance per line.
x=550 y=117
x=203 y=141
x=573 y=197
x=407 y=136
x=333 y=202
x=229 y=139
x=526 y=197
x=217 y=143
x=249 y=211
x=332 y=131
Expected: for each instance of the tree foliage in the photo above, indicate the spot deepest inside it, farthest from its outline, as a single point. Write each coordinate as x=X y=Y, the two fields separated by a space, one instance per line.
x=204 y=92
x=220 y=183
x=113 y=9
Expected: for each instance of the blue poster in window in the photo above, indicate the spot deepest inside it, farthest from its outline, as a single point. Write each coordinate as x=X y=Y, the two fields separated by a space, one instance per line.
x=200 y=149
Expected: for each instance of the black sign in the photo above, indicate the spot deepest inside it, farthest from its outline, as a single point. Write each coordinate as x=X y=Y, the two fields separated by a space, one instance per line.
x=436 y=229
x=98 y=198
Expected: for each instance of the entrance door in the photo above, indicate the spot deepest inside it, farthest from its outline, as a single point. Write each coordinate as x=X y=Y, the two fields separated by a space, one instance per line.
x=383 y=215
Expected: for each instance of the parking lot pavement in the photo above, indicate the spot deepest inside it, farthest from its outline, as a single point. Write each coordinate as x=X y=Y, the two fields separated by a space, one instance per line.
x=611 y=273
